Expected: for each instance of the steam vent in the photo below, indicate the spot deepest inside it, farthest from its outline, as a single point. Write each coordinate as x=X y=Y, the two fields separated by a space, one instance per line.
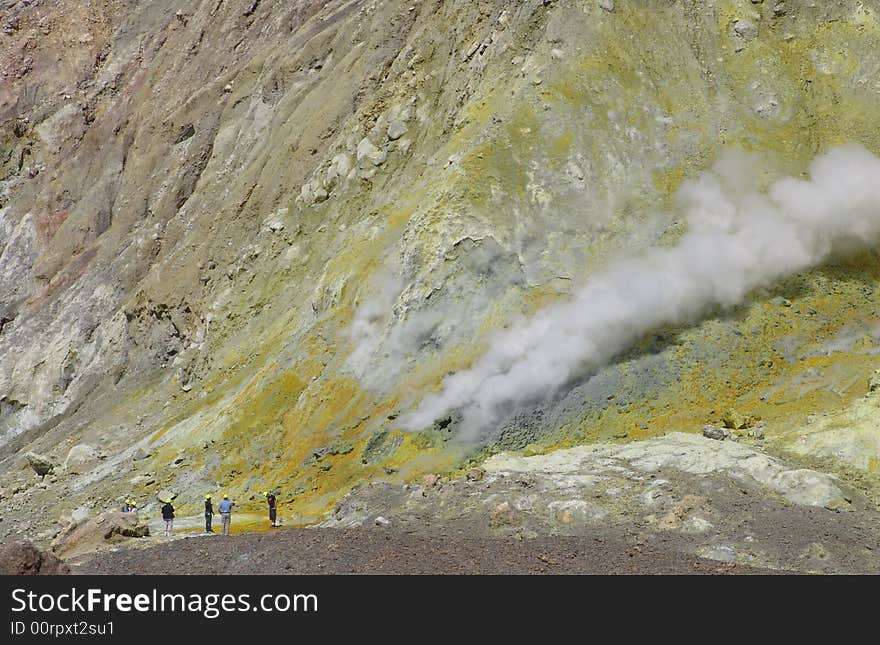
x=597 y=278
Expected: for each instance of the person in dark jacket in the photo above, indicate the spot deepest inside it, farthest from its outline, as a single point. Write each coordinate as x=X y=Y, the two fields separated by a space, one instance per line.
x=209 y=514
x=168 y=516
x=273 y=507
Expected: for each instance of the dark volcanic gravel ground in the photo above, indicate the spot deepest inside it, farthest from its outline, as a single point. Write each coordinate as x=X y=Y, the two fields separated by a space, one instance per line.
x=387 y=551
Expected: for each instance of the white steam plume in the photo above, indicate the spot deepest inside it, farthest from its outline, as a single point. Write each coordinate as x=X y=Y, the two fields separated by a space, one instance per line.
x=369 y=319
x=736 y=240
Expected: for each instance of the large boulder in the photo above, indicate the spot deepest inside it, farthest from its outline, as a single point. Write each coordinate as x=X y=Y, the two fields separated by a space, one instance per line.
x=714 y=432
x=41 y=464
x=109 y=527
x=80 y=455
x=77 y=516
x=23 y=558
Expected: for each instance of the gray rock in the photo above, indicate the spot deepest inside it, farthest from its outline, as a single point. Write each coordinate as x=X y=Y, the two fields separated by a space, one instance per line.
x=758 y=431
x=339 y=168
x=745 y=29
x=578 y=511
x=779 y=10
x=79 y=455
x=80 y=514
x=164 y=494
x=714 y=432
x=396 y=129
x=41 y=464
x=607 y=5
x=368 y=153
x=696 y=524
x=719 y=552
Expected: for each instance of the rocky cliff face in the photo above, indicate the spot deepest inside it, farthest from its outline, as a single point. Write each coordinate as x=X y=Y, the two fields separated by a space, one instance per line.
x=238 y=239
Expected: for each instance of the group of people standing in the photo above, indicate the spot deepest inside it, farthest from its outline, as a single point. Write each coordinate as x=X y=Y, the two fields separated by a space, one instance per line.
x=225 y=508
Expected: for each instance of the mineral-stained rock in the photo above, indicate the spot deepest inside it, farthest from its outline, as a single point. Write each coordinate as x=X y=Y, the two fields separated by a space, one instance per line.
x=683 y=452
x=429 y=481
x=501 y=515
x=737 y=421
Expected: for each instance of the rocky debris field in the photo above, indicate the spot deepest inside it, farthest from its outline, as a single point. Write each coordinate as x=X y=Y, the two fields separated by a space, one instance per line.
x=386 y=550
x=727 y=501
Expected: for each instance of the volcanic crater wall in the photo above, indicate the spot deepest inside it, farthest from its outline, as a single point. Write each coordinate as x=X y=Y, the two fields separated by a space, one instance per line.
x=239 y=239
